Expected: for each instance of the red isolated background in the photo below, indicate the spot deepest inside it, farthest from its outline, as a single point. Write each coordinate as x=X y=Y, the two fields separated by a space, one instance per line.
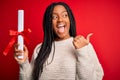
x=101 y=17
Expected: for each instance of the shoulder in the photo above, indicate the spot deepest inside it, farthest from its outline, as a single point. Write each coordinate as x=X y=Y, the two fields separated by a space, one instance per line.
x=36 y=50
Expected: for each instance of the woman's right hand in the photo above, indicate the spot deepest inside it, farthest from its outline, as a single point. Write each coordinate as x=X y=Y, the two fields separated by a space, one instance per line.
x=19 y=53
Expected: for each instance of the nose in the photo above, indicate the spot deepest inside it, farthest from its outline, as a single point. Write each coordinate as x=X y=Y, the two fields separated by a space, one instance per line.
x=60 y=19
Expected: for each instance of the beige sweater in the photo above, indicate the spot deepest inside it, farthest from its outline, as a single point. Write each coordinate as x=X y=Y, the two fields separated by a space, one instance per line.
x=68 y=63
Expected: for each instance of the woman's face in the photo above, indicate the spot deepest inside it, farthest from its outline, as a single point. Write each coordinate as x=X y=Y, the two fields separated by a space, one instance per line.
x=60 y=22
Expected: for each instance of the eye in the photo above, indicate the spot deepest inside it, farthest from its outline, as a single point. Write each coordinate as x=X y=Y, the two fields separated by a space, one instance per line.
x=65 y=15
x=54 y=17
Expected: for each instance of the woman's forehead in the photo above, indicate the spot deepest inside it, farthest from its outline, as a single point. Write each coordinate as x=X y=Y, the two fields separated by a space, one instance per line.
x=59 y=9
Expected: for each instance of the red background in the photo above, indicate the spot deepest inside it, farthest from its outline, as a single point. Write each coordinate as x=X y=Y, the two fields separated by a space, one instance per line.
x=101 y=17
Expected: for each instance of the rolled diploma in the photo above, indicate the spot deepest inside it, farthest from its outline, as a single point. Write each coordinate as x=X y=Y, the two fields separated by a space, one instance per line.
x=20 y=28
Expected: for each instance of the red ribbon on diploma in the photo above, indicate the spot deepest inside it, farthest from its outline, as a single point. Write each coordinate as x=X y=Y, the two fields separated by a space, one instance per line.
x=12 y=41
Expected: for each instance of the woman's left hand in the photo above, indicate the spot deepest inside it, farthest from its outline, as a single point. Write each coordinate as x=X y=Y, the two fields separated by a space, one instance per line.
x=80 y=41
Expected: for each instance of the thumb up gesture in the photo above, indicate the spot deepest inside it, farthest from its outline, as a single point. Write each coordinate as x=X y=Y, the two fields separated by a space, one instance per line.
x=80 y=41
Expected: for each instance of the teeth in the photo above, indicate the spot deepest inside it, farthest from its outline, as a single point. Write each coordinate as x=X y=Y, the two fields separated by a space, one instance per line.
x=60 y=25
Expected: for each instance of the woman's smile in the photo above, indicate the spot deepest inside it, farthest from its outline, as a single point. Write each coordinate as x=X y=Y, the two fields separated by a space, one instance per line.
x=61 y=28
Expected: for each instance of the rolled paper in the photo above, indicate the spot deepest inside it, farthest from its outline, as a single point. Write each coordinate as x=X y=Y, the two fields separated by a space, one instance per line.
x=20 y=29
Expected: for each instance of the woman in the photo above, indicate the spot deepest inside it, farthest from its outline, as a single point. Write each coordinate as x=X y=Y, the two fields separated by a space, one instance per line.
x=62 y=55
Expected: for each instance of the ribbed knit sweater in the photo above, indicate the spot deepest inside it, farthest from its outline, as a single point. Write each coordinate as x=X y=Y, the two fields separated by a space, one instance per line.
x=67 y=63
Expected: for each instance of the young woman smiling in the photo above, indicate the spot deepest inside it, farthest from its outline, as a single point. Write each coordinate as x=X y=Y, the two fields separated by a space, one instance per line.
x=62 y=55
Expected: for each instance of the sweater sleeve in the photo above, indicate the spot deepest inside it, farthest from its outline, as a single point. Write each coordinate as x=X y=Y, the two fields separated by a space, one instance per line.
x=88 y=66
x=26 y=68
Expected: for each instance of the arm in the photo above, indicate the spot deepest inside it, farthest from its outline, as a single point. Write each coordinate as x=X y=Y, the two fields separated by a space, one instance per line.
x=25 y=71
x=88 y=66
x=26 y=68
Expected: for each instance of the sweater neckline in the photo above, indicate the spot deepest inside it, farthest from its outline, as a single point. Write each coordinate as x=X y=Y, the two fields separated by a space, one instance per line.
x=64 y=41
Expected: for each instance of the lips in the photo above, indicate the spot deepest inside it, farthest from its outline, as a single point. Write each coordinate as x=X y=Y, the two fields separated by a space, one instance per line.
x=61 y=28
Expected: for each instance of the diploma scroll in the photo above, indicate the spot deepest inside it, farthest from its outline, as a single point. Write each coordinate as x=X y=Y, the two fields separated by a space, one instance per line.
x=20 y=29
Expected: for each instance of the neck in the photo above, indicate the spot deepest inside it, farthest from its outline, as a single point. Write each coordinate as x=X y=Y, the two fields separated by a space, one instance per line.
x=59 y=39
